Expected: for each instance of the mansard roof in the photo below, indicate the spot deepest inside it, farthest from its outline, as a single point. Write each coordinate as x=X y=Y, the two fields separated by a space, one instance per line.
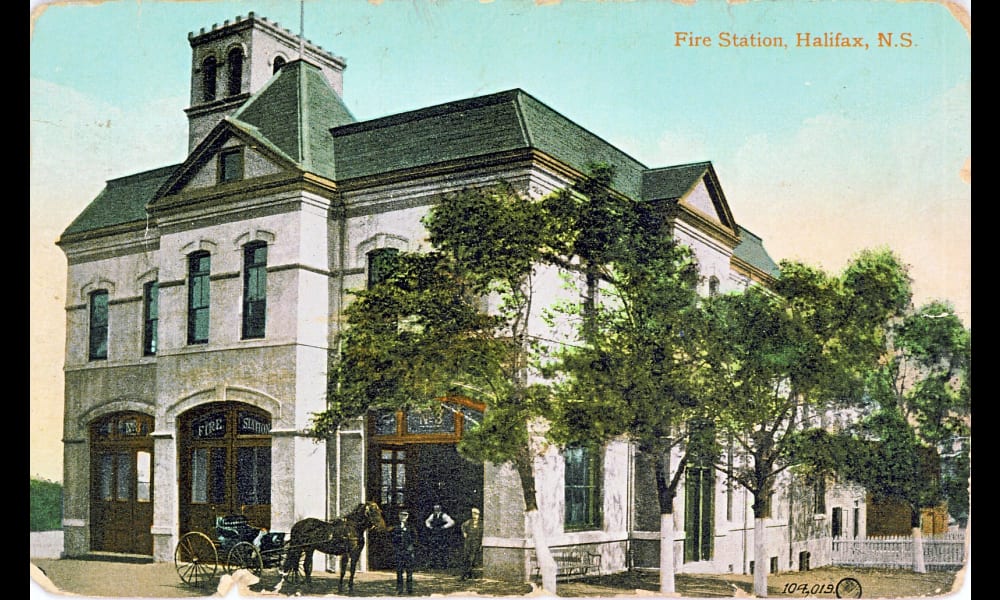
x=751 y=250
x=501 y=122
x=123 y=200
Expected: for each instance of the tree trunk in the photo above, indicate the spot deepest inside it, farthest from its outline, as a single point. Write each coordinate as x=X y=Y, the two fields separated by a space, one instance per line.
x=918 y=543
x=543 y=556
x=667 y=585
x=759 y=558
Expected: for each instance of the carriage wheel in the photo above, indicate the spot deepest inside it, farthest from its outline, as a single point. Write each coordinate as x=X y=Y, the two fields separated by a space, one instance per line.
x=196 y=559
x=245 y=556
x=296 y=576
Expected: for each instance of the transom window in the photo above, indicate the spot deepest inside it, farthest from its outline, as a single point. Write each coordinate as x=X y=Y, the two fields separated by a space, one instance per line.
x=98 y=325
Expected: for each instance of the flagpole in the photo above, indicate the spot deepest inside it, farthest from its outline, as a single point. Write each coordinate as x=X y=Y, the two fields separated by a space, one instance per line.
x=302 y=28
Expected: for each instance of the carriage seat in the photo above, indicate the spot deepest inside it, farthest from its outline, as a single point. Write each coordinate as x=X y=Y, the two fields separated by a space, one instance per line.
x=234 y=529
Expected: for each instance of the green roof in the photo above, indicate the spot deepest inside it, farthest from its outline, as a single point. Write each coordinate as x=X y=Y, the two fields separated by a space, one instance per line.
x=123 y=200
x=504 y=121
x=294 y=111
x=751 y=249
x=670 y=183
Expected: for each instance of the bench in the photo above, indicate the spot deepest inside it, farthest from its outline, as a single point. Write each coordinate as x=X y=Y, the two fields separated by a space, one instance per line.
x=570 y=562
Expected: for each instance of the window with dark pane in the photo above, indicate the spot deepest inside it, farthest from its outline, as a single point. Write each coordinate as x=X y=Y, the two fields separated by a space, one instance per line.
x=208 y=73
x=150 y=317
x=699 y=488
x=199 y=265
x=234 y=62
x=231 y=165
x=278 y=63
x=99 y=325
x=254 y=289
x=381 y=263
x=253 y=475
x=583 y=488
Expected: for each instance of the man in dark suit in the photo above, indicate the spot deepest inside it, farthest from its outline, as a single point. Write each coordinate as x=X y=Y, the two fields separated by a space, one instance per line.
x=404 y=542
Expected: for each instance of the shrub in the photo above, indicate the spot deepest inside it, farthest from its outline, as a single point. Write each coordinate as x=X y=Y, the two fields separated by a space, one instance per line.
x=46 y=505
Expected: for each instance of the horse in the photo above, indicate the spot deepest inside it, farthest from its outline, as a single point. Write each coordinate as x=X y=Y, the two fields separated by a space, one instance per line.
x=343 y=536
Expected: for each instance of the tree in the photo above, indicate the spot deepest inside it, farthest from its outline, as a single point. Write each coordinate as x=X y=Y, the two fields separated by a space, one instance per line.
x=772 y=356
x=919 y=401
x=628 y=375
x=423 y=334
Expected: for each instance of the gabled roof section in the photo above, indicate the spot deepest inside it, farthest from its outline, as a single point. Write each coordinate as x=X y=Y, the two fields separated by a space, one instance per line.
x=504 y=121
x=751 y=250
x=675 y=183
x=294 y=111
x=123 y=200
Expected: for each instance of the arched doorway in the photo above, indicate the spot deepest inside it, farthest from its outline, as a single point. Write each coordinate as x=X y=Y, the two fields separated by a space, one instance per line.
x=225 y=465
x=121 y=497
x=413 y=463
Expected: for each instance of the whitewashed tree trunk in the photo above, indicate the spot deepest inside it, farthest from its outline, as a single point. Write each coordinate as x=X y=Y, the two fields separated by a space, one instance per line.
x=918 y=551
x=546 y=564
x=667 y=585
x=759 y=559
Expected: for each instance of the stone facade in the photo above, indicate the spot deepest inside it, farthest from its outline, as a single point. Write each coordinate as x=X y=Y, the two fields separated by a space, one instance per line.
x=319 y=218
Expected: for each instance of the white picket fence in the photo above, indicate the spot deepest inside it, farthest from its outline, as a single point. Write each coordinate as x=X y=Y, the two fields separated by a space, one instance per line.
x=940 y=551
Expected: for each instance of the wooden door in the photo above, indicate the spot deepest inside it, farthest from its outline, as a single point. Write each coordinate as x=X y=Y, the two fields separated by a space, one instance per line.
x=121 y=507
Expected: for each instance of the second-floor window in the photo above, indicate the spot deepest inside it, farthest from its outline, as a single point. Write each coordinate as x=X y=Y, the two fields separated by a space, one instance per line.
x=199 y=265
x=98 y=325
x=254 y=289
x=381 y=263
x=150 y=317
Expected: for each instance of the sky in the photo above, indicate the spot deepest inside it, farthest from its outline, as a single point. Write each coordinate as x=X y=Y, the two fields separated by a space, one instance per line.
x=822 y=151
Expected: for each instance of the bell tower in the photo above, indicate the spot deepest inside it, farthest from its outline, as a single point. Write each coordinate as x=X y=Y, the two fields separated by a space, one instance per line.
x=231 y=62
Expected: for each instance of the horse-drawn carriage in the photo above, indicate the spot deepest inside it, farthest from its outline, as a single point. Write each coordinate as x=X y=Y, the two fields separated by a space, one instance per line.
x=240 y=545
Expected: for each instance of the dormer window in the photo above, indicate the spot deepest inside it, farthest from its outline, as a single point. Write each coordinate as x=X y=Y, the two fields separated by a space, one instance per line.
x=208 y=69
x=231 y=165
x=234 y=63
x=279 y=61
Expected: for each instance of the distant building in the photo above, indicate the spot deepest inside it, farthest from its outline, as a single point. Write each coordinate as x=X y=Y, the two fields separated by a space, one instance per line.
x=205 y=298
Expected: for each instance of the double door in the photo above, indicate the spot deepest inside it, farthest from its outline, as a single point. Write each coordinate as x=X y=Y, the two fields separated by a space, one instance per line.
x=225 y=466
x=121 y=499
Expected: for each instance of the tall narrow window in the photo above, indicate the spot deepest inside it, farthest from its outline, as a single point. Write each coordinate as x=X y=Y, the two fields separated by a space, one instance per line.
x=231 y=165
x=99 y=325
x=208 y=69
x=713 y=286
x=380 y=264
x=199 y=265
x=583 y=488
x=819 y=495
x=150 y=317
x=254 y=289
x=235 y=71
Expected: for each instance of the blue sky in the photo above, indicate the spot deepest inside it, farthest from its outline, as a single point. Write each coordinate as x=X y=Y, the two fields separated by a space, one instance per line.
x=821 y=151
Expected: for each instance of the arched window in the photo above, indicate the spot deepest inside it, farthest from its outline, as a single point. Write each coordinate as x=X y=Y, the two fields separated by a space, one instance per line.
x=208 y=79
x=235 y=71
x=381 y=263
x=279 y=61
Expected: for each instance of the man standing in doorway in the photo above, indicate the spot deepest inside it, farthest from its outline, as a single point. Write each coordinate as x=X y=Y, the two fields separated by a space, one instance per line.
x=404 y=541
x=472 y=543
x=439 y=524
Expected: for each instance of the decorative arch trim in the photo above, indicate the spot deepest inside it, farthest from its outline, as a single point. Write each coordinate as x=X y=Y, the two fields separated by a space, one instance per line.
x=379 y=241
x=97 y=283
x=224 y=393
x=255 y=235
x=198 y=245
x=114 y=406
x=150 y=275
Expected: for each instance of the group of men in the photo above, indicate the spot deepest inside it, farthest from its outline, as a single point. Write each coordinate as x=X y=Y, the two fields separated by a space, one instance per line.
x=439 y=524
